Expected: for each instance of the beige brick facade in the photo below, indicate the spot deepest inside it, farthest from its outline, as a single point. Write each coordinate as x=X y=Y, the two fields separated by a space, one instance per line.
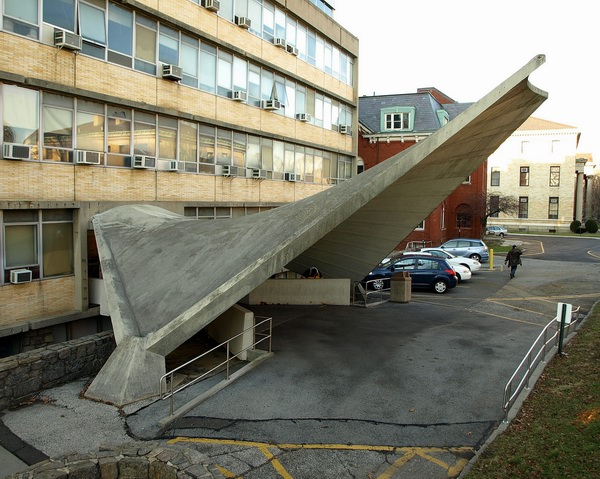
x=90 y=189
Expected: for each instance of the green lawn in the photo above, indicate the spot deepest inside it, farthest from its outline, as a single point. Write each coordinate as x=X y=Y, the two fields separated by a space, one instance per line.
x=556 y=434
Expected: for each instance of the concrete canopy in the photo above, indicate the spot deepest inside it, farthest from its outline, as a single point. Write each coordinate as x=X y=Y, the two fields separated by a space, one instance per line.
x=168 y=276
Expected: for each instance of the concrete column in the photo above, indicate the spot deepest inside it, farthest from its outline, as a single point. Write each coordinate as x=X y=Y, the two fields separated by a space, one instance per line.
x=579 y=196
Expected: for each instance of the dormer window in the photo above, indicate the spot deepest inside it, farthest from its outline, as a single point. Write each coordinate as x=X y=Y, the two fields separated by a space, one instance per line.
x=397 y=119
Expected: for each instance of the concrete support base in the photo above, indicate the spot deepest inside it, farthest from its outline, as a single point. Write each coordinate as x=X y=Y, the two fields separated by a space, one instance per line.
x=130 y=374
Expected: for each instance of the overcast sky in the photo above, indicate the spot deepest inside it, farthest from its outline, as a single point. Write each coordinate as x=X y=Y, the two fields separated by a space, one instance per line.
x=466 y=48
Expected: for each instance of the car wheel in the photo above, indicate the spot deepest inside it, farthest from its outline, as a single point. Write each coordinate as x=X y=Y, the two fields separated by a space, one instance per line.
x=501 y=235
x=459 y=279
x=466 y=266
x=440 y=286
x=476 y=257
x=378 y=284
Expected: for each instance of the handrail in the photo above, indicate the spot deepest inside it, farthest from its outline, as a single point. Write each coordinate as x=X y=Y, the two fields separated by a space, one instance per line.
x=164 y=394
x=367 y=292
x=532 y=360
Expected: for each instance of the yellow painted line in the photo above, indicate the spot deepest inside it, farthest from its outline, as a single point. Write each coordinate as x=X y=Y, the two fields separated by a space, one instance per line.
x=342 y=447
x=459 y=466
x=275 y=462
x=225 y=472
x=397 y=465
x=542 y=298
x=505 y=317
x=435 y=460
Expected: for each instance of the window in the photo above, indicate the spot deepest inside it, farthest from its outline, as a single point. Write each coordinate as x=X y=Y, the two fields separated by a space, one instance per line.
x=495 y=177
x=20 y=112
x=60 y=13
x=525 y=147
x=207 y=212
x=207 y=149
x=523 y=207
x=90 y=126
x=144 y=134
x=167 y=138
x=524 y=176
x=553 y=208
x=57 y=120
x=224 y=73
x=397 y=118
x=420 y=226
x=119 y=137
x=494 y=206
x=208 y=68
x=464 y=216
x=188 y=146
x=39 y=240
x=21 y=17
x=120 y=35
x=467 y=180
x=168 y=48
x=189 y=60
x=145 y=44
x=93 y=30
x=555 y=176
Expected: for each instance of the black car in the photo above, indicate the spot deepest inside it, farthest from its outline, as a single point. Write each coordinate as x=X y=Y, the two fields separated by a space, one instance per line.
x=426 y=271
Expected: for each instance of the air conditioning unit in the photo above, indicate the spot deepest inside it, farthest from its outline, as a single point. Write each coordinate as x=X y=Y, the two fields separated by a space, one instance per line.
x=345 y=129
x=212 y=5
x=239 y=95
x=243 y=22
x=279 y=42
x=18 y=276
x=259 y=174
x=172 y=165
x=291 y=177
x=303 y=116
x=229 y=170
x=141 y=161
x=172 y=72
x=292 y=49
x=66 y=40
x=14 y=151
x=270 y=104
x=87 y=157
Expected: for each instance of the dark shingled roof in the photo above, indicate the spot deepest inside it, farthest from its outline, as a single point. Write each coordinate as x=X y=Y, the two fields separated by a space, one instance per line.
x=426 y=106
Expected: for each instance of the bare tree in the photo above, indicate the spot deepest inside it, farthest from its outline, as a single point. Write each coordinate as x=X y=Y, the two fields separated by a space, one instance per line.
x=491 y=204
x=594 y=207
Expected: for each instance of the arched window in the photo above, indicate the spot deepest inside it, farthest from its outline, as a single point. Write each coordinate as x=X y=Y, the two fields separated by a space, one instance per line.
x=464 y=216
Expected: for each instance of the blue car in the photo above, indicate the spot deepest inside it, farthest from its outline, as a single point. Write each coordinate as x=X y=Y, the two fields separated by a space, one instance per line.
x=426 y=271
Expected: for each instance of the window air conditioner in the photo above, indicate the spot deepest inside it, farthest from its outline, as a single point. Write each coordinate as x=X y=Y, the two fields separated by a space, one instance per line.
x=270 y=104
x=66 y=40
x=212 y=5
x=140 y=161
x=172 y=72
x=259 y=174
x=18 y=276
x=303 y=116
x=279 y=42
x=87 y=157
x=345 y=129
x=229 y=170
x=239 y=95
x=172 y=165
x=292 y=49
x=291 y=177
x=243 y=22
x=13 y=151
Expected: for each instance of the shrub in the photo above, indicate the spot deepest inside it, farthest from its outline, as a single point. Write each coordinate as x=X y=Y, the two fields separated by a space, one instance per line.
x=575 y=226
x=591 y=226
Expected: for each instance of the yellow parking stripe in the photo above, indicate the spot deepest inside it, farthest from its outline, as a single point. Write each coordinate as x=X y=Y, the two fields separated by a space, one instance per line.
x=397 y=465
x=275 y=462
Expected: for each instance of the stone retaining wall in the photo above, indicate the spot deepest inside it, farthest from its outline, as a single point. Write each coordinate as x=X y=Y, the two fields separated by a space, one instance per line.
x=137 y=460
x=26 y=374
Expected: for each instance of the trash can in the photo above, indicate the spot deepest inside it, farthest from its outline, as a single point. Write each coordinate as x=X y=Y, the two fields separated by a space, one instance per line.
x=400 y=288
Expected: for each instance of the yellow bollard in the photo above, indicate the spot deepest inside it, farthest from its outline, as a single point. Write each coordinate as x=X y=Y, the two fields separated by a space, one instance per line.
x=492 y=259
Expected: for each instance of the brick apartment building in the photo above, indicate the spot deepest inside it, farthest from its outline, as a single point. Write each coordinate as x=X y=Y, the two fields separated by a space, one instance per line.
x=390 y=124
x=211 y=109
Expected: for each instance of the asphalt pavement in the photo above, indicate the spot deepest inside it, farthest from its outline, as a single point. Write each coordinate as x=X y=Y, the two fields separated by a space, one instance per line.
x=393 y=390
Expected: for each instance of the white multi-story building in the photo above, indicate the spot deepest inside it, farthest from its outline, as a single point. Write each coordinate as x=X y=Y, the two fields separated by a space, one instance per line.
x=539 y=166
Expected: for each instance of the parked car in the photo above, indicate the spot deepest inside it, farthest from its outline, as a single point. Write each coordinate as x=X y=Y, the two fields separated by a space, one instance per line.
x=462 y=272
x=496 y=231
x=468 y=247
x=426 y=271
x=470 y=263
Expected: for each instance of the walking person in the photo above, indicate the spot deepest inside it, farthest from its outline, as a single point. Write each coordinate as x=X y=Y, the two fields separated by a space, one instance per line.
x=513 y=259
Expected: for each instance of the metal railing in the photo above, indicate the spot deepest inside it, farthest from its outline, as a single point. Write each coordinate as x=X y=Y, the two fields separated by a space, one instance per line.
x=545 y=342
x=365 y=290
x=166 y=380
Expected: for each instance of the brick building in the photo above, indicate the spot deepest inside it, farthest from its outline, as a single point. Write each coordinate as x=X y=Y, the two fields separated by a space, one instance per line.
x=390 y=124
x=208 y=109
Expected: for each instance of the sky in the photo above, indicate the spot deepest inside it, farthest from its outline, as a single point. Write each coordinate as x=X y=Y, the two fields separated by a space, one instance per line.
x=466 y=48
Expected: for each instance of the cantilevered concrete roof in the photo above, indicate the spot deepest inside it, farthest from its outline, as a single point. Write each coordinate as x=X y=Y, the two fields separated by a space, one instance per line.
x=168 y=276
